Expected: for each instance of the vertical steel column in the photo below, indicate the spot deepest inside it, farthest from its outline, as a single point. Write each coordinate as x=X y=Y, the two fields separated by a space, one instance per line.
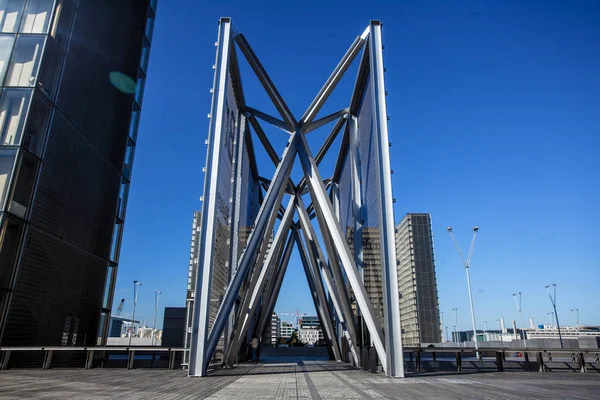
x=393 y=338
x=207 y=227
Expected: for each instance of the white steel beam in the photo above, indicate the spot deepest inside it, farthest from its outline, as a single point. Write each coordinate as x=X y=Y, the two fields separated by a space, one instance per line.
x=197 y=366
x=393 y=336
x=267 y=83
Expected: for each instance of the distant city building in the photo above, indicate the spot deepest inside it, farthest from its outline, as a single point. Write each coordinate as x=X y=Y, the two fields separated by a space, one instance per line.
x=309 y=330
x=273 y=330
x=120 y=326
x=417 y=283
x=286 y=330
x=72 y=76
x=567 y=332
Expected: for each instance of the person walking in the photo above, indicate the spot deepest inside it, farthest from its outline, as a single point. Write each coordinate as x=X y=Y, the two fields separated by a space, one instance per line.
x=254 y=349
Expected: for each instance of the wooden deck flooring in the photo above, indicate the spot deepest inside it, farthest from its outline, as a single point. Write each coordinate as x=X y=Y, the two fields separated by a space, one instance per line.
x=292 y=378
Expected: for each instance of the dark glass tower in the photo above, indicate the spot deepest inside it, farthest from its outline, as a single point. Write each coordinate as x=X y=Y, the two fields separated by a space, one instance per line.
x=72 y=79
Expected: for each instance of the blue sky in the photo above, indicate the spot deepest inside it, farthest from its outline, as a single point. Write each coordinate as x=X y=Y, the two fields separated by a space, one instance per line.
x=495 y=122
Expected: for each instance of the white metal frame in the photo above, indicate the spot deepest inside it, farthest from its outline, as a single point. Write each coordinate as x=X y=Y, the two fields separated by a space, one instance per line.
x=328 y=271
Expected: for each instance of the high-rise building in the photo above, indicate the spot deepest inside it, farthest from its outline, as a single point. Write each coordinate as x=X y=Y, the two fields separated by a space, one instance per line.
x=419 y=309
x=272 y=333
x=286 y=330
x=72 y=77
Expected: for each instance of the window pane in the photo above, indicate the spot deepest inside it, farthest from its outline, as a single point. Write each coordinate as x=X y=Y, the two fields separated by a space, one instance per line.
x=10 y=14
x=26 y=61
x=116 y=241
x=37 y=125
x=123 y=191
x=63 y=18
x=7 y=161
x=109 y=278
x=10 y=238
x=21 y=197
x=36 y=18
x=139 y=90
x=6 y=46
x=145 y=56
x=133 y=124
x=128 y=163
x=13 y=109
x=50 y=71
x=149 y=28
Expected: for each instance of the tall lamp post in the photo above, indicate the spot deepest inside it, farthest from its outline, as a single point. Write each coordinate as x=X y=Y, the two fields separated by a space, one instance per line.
x=156 y=300
x=455 y=311
x=447 y=340
x=518 y=303
x=136 y=291
x=467 y=263
x=553 y=301
x=577 y=315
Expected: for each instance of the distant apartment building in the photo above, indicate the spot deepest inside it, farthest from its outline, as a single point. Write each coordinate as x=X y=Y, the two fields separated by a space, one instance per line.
x=272 y=332
x=309 y=330
x=417 y=282
x=286 y=330
x=72 y=76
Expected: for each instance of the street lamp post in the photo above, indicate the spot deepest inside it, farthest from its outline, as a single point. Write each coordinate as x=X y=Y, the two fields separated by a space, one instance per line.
x=577 y=311
x=518 y=303
x=467 y=263
x=136 y=291
x=447 y=339
x=553 y=301
x=455 y=311
x=156 y=300
x=484 y=326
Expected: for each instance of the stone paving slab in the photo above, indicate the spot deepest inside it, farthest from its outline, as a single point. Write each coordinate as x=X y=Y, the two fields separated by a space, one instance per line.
x=296 y=378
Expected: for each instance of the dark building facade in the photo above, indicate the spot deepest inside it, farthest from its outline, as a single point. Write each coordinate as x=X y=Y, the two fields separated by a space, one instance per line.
x=72 y=76
x=417 y=281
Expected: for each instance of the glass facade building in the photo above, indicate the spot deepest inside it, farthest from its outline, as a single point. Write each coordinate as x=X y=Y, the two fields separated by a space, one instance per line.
x=417 y=282
x=72 y=76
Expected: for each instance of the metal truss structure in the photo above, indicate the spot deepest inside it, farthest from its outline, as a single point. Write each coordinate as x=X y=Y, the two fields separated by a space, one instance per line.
x=247 y=236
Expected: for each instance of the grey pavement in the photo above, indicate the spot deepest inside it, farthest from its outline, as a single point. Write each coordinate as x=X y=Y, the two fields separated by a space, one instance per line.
x=292 y=378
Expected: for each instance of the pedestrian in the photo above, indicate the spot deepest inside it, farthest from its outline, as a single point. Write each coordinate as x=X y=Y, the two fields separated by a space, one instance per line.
x=254 y=349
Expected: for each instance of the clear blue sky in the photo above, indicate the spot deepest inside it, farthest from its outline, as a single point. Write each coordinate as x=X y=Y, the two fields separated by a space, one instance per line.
x=495 y=122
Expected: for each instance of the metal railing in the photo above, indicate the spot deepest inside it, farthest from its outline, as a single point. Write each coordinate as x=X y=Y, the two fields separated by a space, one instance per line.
x=94 y=356
x=584 y=359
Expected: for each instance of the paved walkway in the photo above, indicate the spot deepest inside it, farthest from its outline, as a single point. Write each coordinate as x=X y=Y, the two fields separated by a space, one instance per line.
x=292 y=378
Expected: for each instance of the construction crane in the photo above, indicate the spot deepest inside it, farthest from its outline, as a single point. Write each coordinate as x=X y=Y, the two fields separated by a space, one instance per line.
x=297 y=314
x=120 y=309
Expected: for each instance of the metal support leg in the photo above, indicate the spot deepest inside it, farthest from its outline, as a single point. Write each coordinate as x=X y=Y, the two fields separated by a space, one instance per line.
x=47 y=360
x=458 y=361
x=130 y=359
x=248 y=309
x=5 y=359
x=171 y=360
x=316 y=286
x=499 y=361
x=335 y=286
x=329 y=223
x=418 y=361
x=581 y=360
x=540 y=360
x=89 y=360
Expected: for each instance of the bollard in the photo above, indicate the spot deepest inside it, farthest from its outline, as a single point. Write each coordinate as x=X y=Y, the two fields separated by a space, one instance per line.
x=499 y=361
x=130 y=359
x=89 y=359
x=540 y=360
x=582 y=368
x=171 y=360
x=418 y=361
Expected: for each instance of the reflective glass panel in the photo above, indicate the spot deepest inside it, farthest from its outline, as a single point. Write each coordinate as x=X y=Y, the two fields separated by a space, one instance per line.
x=37 y=125
x=63 y=18
x=6 y=46
x=26 y=61
x=10 y=14
x=50 y=72
x=13 y=110
x=36 y=18
x=25 y=179
x=10 y=238
x=7 y=161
